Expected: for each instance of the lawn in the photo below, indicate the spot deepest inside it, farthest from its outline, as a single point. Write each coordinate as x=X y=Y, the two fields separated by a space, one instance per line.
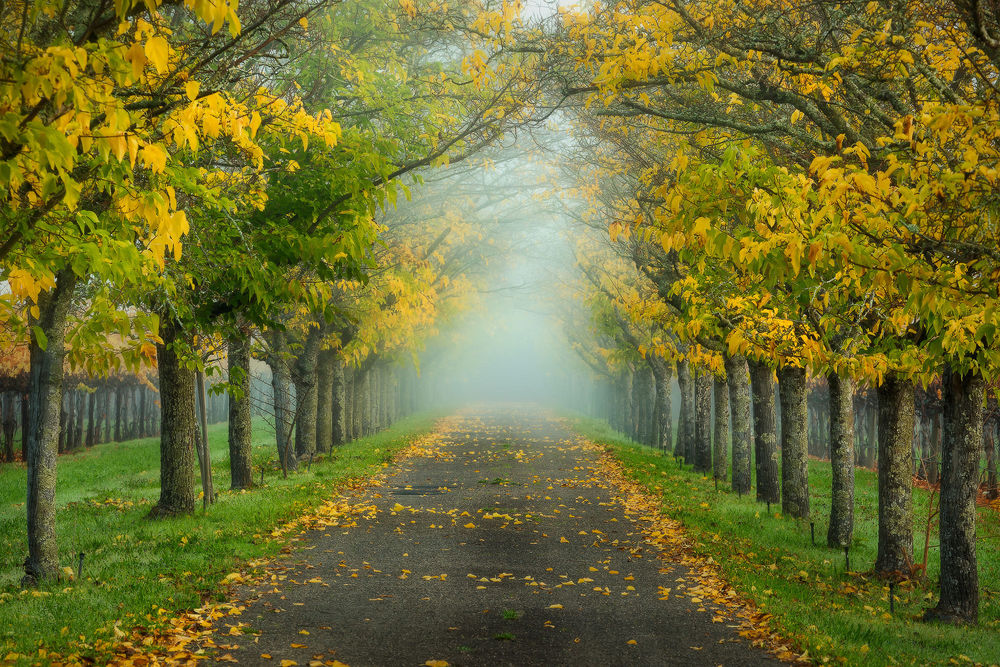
x=836 y=615
x=132 y=564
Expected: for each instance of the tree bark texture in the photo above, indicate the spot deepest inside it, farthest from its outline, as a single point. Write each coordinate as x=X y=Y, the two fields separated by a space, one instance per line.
x=840 y=533
x=738 y=379
x=338 y=386
x=281 y=380
x=794 y=442
x=661 y=409
x=961 y=448
x=177 y=423
x=686 y=422
x=9 y=424
x=44 y=406
x=895 y=475
x=765 y=433
x=240 y=428
x=324 y=400
x=720 y=439
x=703 y=423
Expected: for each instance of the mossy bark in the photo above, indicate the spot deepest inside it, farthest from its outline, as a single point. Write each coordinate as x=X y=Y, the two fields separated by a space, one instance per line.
x=720 y=438
x=960 y=453
x=684 y=446
x=662 y=417
x=841 y=530
x=895 y=475
x=703 y=423
x=765 y=433
x=281 y=395
x=324 y=400
x=738 y=379
x=240 y=429
x=45 y=379
x=338 y=424
x=794 y=442
x=177 y=435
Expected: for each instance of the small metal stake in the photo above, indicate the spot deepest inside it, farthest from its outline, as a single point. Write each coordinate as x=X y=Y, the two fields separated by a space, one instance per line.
x=79 y=568
x=892 y=597
x=847 y=558
x=769 y=508
x=812 y=532
x=309 y=465
x=262 y=475
x=716 y=484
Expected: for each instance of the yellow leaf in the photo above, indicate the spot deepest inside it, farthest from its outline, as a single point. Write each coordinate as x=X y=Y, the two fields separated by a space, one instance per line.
x=288 y=663
x=192 y=88
x=470 y=525
x=155 y=157
x=555 y=606
x=266 y=656
x=563 y=539
x=157 y=51
x=303 y=632
x=398 y=508
x=304 y=22
x=436 y=663
x=632 y=641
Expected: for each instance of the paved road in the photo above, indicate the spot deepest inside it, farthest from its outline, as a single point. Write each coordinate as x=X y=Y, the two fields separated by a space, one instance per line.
x=504 y=548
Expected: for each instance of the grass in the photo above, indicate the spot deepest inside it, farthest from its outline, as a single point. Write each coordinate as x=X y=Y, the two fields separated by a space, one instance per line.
x=836 y=615
x=134 y=565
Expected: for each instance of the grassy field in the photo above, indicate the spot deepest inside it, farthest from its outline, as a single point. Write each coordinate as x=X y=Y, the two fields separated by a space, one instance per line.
x=132 y=564
x=770 y=559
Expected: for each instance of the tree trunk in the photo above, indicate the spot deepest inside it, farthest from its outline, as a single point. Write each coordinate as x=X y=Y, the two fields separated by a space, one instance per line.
x=794 y=442
x=25 y=411
x=281 y=380
x=348 y=404
x=240 y=427
x=841 y=530
x=738 y=379
x=703 y=422
x=177 y=422
x=143 y=428
x=720 y=456
x=989 y=445
x=324 y=400
x=661 y=410
x=107 y=414
x=119 y=403
x=765 y=433
x=360 y=402
x=91 y=437
x=44 y=406
x=933 y=463
x=81 y=404
x=960 y=452
x=895 y=475
x=305 y=411
x=205 y=458
x=689 y=415
x=338 y=391
x=9 y=424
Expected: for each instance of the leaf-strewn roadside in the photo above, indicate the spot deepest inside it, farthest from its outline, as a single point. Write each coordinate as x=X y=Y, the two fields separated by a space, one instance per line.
x=141 y=573
x=832 y=615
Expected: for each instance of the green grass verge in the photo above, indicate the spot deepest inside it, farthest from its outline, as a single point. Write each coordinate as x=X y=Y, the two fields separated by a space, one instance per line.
x=134 y=565
x=837 y=616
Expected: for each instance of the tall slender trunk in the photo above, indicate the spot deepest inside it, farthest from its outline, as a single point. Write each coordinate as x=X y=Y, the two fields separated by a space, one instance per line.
x=240 y=427
x=306 y=397
x=119 y=403
x=205 y=459
x=662 y=417
x=107 y=413
x=9 y=424
x=703 y=422
x=177 y=437
x=720 y=457
x=794 y=442
x=989 y=446
x=934 y=462
x=281 y=380
x=687 y=410
x=44 y=406
x=738 y=379
x=360 y=402
x=348 y=404
x=143 y=427
x=841 y=530
x=338 y=391
x=324 y=400
x=25 y=411
x=91 y=400
x=81 y=405
x=960 y=453
x=765 y=433
x=895 y=475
